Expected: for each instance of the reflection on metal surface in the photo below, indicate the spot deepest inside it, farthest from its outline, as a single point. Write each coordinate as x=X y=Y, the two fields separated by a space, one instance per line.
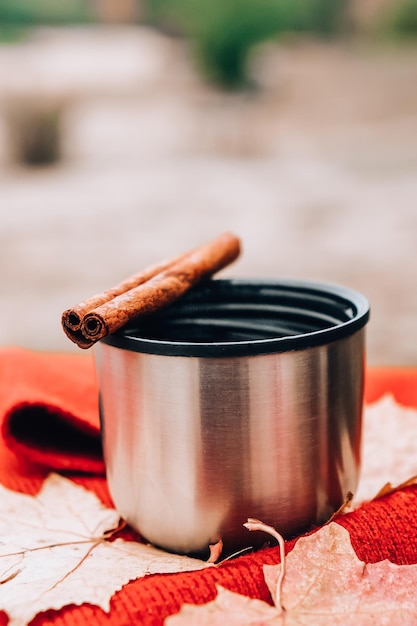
x=195 y=445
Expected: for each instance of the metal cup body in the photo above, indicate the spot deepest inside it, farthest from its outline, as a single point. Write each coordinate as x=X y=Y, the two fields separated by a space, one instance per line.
x=195 y=445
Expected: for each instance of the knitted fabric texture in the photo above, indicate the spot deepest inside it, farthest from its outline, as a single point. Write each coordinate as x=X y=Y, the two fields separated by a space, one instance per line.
x=49 y=409
x=43 y=396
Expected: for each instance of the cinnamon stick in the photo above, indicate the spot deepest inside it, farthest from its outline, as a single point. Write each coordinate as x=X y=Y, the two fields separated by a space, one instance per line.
x=147 y=291
x=72 y=319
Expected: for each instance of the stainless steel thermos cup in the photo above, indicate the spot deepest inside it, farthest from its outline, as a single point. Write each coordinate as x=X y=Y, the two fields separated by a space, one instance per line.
x=242 y=399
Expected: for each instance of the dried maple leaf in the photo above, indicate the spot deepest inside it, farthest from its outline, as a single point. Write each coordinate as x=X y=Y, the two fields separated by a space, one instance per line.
x=325 y=584
x=390 y=488
x=216 y=550
x=388 y=455
x=54 y=551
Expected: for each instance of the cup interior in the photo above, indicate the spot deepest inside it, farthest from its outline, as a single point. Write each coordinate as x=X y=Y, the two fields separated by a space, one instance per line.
x=247 y=317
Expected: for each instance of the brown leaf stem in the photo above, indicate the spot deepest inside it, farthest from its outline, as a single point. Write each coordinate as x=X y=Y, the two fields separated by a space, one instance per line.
x=254 y=524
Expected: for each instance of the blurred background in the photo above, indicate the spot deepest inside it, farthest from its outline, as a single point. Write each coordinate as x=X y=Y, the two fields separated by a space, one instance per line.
x=131 y=130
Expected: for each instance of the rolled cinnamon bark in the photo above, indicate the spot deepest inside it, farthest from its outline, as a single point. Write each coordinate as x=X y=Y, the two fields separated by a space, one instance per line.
x=72 y=318
x=152 y=289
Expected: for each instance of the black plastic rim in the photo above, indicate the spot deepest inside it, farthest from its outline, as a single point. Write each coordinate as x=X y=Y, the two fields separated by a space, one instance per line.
x=243 y=317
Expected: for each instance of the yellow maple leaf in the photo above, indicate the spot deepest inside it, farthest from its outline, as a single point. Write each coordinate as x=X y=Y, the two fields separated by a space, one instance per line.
x=54 y=551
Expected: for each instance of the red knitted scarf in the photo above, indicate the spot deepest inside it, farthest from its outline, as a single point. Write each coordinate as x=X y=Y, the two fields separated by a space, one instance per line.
x=49 y=422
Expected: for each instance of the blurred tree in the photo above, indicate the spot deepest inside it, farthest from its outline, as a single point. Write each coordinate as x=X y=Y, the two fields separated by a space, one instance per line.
x=43 y=12
x=401 y=20
x=224 y=32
